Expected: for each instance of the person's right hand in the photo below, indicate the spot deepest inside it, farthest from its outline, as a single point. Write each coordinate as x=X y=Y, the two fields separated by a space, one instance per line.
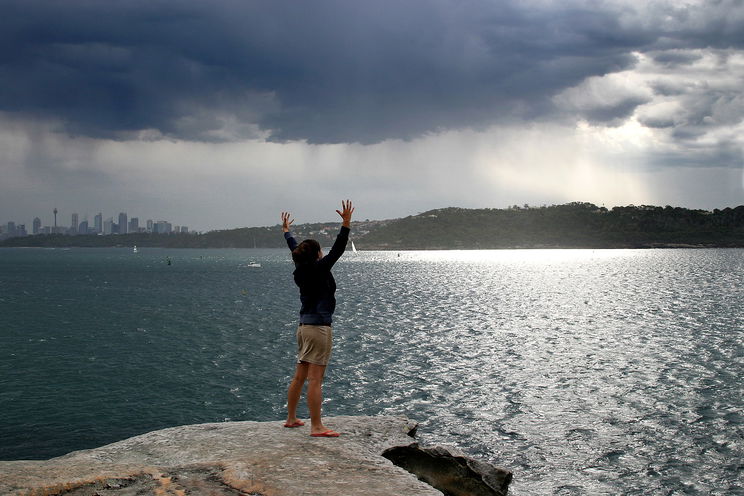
x=286 y=222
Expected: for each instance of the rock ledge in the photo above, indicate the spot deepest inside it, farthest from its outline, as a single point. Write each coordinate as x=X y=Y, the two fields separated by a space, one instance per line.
x=260 y=459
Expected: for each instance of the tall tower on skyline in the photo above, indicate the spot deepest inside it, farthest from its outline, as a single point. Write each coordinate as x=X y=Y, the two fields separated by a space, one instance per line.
x=123 y=223
x=55 y=219
x=98 y=223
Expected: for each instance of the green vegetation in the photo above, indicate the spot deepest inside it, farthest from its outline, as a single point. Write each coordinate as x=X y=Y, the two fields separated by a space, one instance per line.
x=573 y=225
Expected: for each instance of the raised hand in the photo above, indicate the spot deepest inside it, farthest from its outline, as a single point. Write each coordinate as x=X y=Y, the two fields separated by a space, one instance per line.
x=286 y=222
x=345 y=213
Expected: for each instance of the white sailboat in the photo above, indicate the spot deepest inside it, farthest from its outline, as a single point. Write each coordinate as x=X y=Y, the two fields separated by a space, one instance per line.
x=134 y=250
x=353 y=248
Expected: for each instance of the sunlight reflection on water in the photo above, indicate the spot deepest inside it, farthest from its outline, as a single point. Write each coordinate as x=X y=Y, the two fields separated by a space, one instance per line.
x=585 y=371
x=541 y=257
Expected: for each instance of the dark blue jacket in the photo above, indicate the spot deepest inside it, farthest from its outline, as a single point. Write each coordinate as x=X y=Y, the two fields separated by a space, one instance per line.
x=316 y=283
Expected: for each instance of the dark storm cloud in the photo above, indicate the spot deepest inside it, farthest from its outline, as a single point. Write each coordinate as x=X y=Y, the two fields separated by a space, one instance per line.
x=323 y=71
x=672 y=59
x=613 y=114
x=657 y=122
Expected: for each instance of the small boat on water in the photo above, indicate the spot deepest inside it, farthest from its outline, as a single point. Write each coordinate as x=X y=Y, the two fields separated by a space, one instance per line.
x=134 y=250
x=353 y=248
x=253 y=264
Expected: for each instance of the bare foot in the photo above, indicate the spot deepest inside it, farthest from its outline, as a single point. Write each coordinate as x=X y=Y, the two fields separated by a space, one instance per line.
x=295 y=422
x=328 y=433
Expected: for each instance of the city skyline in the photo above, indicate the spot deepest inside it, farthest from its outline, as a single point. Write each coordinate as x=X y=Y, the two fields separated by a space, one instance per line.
x=80 y=224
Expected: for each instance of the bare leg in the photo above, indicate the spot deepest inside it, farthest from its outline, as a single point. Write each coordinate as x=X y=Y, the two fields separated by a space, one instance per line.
x=315 y=397
x=295 y=390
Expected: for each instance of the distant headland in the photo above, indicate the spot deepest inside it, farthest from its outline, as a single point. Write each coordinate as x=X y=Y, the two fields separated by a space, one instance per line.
x=571 y=225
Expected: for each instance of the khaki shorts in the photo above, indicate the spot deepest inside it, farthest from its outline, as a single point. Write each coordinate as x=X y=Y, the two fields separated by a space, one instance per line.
x=314 y=344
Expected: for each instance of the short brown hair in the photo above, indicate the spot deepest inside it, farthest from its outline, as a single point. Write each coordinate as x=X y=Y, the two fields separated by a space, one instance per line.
x=306 y=252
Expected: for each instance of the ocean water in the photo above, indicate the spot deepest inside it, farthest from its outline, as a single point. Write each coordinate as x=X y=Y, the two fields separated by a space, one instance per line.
x=582 y=371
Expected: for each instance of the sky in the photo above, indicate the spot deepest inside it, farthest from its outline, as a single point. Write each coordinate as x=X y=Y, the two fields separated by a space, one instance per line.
x=222 y=114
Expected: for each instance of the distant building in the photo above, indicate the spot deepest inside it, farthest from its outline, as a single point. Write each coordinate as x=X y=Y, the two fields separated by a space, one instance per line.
x=11 y=229
x=162 y=227
x=37 y=225
x=134 y=224
x=98 y=223
x=123 y=223
x=74 y=224
x=108 y=226
x=185 y=229
x=58 y=229
x=149 y=225
x=83 y=227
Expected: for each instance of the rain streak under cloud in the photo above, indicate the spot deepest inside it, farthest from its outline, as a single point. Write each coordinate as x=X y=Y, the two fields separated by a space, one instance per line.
x=223 y=114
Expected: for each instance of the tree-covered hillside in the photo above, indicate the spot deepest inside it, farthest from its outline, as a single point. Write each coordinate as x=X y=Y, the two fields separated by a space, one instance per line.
x=573 y=225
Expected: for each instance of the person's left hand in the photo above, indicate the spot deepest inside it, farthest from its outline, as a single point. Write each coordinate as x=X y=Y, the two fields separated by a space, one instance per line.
x=286 y=222
x=345 y=213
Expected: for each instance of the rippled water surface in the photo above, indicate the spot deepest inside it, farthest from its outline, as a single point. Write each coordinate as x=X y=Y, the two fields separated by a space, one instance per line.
x=584 y=372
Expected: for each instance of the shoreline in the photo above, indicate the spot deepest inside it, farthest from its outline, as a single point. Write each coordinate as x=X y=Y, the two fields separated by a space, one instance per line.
x=643 y=246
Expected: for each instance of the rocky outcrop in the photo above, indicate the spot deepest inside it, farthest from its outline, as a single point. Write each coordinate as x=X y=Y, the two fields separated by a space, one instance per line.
x=450 y=471
x=260 y=459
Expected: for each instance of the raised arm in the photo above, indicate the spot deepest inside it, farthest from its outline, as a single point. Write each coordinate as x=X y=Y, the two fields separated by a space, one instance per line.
x=339 y=246
x=286 y=222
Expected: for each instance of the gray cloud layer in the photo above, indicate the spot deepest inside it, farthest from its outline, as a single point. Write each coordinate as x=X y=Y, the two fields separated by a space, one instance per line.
x=336 y=71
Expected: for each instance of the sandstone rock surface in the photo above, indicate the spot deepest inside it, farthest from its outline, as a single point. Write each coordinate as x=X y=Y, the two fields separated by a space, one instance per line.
x=233 y=458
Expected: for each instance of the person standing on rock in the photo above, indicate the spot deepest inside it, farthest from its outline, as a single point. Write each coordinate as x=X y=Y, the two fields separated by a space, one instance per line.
x=314 y=336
